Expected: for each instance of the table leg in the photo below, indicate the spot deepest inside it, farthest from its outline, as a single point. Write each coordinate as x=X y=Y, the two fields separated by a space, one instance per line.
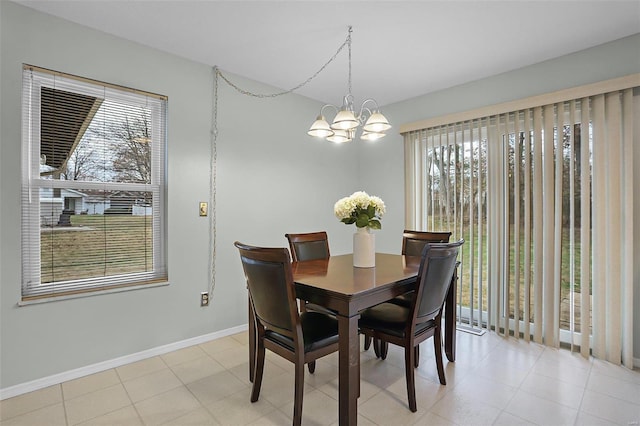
x=252 y=343
x=349 y=370
x=450 y=319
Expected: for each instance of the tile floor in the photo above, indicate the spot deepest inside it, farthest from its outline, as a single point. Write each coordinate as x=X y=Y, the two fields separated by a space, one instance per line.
x=494 y=381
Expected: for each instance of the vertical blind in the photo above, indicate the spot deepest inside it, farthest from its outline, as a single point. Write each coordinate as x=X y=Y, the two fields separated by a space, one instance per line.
x=543 y=197
x=93 y=185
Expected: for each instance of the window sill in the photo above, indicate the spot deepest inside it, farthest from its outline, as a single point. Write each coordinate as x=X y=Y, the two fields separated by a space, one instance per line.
x=35 y=300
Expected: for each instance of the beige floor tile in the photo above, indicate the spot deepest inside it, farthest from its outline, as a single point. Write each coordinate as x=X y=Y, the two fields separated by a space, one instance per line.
x=566 y=372
x=127 y=416
x=317 y=409
x=367 y=390
x=380 y=373
x=465 y=411
x=608 y=408
x=242 y=337
x=485 y=390
x=216 y=387
x=233 y=357
x=95 y=404
x=615 y=387
x=238 y=409
x=152 y=384
x=507 y=419
x=31 y=401
x=241 y=371
x=540 y=411
x=388 y=408
x=167 y=406
x=278 y=390
x=52 y=415
x=94 y=382
x=274 y=418
x=324 y=373
x=566 y=358
x=362 y=421
x=140 y=368
x=553 y=390
x=431 y=419
x=223 y=344
x=617 y=371
x=197 y=417
x=503 y=373
x=183 y=355
x=589 y=420
x=427 y=392
x=197 y=369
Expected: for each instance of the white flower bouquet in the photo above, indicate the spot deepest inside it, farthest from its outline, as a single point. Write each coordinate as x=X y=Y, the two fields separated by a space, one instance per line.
x=360 y=208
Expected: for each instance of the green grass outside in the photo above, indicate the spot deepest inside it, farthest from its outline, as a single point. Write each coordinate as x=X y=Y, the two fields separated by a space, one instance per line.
x=97 y=246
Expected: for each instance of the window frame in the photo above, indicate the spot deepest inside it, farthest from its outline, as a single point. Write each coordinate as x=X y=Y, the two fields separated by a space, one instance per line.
x=33 y=291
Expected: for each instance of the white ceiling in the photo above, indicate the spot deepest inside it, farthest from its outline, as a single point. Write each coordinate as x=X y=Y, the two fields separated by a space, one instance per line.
x=400 y=49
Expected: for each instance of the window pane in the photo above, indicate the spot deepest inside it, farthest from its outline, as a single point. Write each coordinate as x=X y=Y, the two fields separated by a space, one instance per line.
x=93 y=235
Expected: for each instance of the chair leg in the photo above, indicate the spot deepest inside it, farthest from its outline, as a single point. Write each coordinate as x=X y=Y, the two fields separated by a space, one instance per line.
x=416 y=361
x=376 y=347
x=258 y=370
x=367 y=342
x=437 y=341
x=409 y=354
x=312 y=367
x=384 y=349
x=299 y=387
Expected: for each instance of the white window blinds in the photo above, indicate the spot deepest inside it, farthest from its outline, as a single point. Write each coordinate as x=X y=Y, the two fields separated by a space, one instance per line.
x=93 y=185
x=543 y=197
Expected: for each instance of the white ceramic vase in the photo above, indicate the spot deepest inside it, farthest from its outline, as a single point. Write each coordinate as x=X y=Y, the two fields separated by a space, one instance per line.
x=364 y=248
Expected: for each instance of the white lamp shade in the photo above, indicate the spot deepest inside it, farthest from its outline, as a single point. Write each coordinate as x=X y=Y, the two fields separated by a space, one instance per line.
x=340 y=136
x=376 y=123
x=320 y=128
x=371 y=136
x=345 y=120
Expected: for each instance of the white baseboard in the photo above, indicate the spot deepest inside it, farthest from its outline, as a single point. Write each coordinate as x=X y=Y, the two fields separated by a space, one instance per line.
x=113 y=363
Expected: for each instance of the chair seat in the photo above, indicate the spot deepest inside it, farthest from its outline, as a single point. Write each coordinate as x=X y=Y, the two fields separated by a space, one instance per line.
x=318 y=308
x=390 y=318
x=404 y=299
x=318 y=330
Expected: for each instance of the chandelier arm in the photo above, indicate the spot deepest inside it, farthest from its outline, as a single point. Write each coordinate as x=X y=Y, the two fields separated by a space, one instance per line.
x=347 y=42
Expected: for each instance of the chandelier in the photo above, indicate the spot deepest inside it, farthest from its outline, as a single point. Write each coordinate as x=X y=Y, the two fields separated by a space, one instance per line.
x=346 y=122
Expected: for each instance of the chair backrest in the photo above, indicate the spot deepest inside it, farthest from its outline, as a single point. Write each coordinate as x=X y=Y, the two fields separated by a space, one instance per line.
x=309 y=246
x=434 y=278
x=271 y=289
x=413 y=242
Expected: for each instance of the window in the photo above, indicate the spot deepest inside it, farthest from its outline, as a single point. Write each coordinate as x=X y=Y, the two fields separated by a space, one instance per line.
x=543 y=196
x=93 y=186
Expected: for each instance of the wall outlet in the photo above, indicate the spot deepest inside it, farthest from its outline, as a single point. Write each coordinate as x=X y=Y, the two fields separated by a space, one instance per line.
x=204 y=299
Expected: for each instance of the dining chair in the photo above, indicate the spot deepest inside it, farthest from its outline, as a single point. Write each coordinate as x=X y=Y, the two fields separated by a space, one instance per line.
x=310 y=246
x=412 y=244
x=409 y=326
x=300 y=337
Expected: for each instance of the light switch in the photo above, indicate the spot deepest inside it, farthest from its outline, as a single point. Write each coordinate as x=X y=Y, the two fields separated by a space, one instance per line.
x=204 y=208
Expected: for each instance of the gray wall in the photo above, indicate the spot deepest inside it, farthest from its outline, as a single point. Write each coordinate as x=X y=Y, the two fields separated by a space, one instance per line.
x=611 y=60
x=266 y=164
x=272 y=179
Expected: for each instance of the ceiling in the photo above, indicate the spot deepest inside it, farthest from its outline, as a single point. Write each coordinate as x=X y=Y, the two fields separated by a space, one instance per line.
x=400 y=49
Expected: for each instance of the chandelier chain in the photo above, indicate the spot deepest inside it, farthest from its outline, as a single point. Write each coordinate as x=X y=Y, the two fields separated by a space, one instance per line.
x=347 y=42
x=213 y=171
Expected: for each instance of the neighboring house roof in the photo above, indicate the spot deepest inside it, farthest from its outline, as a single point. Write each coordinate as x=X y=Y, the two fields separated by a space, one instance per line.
x=59 y=138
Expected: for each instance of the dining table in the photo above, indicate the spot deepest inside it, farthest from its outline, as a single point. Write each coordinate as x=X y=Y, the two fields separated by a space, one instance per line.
x=336 y=284
x=347 y=290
